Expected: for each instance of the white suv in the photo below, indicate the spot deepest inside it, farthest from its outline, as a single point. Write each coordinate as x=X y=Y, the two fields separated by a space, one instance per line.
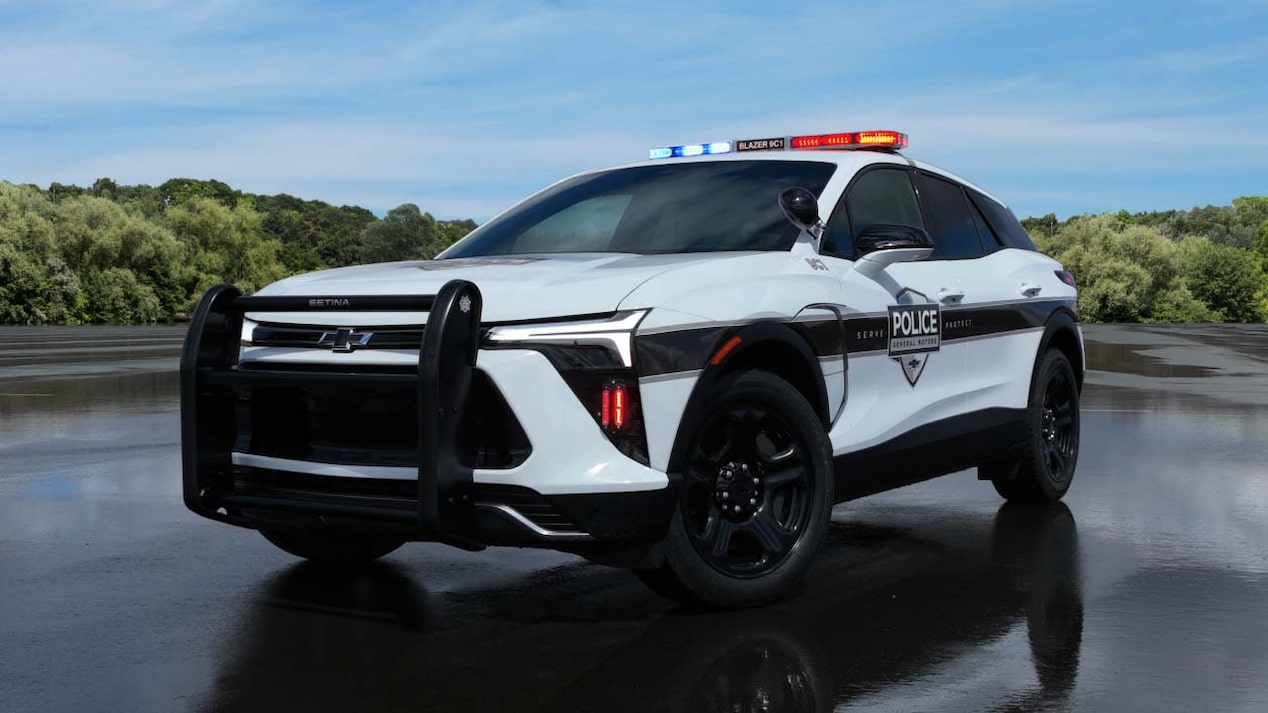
x=676 y=366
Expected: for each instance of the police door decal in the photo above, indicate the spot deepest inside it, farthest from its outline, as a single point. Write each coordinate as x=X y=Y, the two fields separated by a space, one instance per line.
x=914 y=333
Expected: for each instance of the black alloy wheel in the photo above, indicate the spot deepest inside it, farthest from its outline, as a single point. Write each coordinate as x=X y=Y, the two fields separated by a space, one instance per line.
x=747 y=491
x=755 y=496
x=1045 y=471
x=1057 y=427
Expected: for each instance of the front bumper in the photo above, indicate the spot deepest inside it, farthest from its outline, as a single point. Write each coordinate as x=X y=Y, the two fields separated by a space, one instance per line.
x=573 y=490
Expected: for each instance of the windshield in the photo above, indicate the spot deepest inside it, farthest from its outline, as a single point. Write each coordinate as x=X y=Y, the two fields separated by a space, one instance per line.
x=664 y=208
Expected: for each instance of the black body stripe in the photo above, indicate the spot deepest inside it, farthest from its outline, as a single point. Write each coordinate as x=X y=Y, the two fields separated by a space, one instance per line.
x=823 y=336
x=866 y=333
x=669 y=352
x=965 y=322
x=690 y=349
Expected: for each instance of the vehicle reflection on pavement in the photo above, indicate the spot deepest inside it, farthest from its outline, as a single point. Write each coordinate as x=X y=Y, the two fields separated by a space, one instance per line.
x=886 y=608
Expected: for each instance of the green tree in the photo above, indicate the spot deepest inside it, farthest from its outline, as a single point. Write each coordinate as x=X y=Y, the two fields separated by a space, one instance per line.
x=224 y=244
x=117 y=296
x=138 y=253
x=104 y=188
x=1121 y=269
x=314 y=235
x=1177 y=305
x=451 y=231
x=178 y=191
x=405 y=233
x=36 y=284
x=97 y=236
x=1227 y=279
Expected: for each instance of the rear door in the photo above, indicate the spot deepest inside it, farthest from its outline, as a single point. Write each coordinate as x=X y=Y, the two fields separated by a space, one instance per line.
x=1017 y=291
x=1006 y=294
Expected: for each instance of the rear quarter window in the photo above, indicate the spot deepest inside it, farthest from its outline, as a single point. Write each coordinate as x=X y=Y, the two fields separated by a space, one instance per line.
x=1002 y=222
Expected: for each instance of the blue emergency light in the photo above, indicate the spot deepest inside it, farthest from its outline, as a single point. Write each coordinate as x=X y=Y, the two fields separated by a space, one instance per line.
x=689 y=150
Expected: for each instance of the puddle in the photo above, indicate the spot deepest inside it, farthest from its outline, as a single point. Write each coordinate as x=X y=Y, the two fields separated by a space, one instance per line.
x=1124 y=359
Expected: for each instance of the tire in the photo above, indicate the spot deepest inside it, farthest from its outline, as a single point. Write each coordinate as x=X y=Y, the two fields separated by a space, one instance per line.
x=758 y=449
x=1044 y=473
x=331 y=547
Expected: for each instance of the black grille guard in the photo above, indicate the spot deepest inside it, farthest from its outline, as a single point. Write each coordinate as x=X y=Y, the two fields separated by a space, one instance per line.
x=446 y=360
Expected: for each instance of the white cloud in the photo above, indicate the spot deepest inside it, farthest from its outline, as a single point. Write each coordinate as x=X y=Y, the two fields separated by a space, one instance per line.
x=463 y=107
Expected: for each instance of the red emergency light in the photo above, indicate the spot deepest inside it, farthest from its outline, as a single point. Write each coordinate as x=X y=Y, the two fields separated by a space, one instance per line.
x=851 y=140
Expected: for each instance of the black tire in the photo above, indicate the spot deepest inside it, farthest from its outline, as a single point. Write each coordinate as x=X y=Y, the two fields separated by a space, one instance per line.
x=330 y=547
x=1044 y=473
x=757 y=449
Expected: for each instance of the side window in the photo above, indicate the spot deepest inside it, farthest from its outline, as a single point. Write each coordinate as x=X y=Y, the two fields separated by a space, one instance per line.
x=1002 y=222
x=879 y=196
x=953 y=230
x=582 y=227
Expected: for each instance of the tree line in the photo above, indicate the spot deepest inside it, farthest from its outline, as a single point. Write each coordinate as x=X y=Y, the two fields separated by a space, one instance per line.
x=121 y=254
x=112 y=253
x=1201 y=265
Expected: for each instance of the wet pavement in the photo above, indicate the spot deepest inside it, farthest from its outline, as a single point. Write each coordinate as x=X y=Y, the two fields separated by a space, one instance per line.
x=1146 y=590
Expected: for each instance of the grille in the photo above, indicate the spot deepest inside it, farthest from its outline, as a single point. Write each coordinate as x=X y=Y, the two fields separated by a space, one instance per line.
x=365 y=422
x=312 y=337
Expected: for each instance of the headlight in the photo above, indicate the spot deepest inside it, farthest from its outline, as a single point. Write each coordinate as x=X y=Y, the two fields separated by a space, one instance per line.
x=595 y=357
x=615 y=333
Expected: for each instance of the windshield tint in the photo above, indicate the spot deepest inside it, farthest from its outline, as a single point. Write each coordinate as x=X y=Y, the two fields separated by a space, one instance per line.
x=665 y=208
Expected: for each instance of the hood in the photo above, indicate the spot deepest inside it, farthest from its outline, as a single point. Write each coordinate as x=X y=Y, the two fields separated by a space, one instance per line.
x=514 y=287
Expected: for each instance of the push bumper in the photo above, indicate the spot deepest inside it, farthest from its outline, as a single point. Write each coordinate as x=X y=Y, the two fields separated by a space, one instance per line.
x=446 y=503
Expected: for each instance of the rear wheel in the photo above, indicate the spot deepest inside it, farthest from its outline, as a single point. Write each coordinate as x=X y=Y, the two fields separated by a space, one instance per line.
x=1044 y=472
x=756 y=496
x=331 y=547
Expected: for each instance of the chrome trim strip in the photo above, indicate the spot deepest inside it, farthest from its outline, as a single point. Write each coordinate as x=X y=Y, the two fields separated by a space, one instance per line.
x=993 y=335
x=382 y=472
x=671 y=375
x=532 y=526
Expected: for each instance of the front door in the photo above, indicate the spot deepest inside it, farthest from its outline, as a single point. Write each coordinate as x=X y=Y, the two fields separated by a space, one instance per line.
x=902 y=375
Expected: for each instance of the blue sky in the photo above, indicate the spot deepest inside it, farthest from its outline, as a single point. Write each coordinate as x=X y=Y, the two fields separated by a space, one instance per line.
x=465 y=107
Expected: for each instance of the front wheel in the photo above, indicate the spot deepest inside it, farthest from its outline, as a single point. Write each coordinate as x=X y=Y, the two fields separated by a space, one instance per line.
x=755 y=500
x=332 y=547
x=1044 y=472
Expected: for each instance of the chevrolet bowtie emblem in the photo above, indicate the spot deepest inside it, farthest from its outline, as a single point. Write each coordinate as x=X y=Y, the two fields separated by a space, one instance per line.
x=344 y=339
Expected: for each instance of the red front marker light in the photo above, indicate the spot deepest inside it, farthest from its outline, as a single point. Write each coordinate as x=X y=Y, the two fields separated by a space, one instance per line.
x=614 y=406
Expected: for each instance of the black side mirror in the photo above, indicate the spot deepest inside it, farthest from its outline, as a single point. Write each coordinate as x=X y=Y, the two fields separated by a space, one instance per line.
x=891 y=237
x=800 y=207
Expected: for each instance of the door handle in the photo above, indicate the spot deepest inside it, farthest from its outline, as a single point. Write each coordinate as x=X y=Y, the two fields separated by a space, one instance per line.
x=1029 y=289
x=945 y=295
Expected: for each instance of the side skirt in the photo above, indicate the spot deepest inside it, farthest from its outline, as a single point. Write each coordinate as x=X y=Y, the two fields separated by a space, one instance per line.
x=935 y=449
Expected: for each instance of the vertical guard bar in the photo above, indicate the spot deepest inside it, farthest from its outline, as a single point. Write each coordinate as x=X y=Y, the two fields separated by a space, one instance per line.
x=207 y=418
x=446 y=360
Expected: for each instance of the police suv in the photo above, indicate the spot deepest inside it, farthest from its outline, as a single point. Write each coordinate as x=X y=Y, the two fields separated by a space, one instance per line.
x=676 y=366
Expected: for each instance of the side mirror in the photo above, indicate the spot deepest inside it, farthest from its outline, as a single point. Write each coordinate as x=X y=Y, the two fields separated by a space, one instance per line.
x=891 y=237
x=801 y=208
x=880 y=246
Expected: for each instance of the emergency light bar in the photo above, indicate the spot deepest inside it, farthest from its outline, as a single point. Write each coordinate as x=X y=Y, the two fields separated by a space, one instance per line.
x=884 y=140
